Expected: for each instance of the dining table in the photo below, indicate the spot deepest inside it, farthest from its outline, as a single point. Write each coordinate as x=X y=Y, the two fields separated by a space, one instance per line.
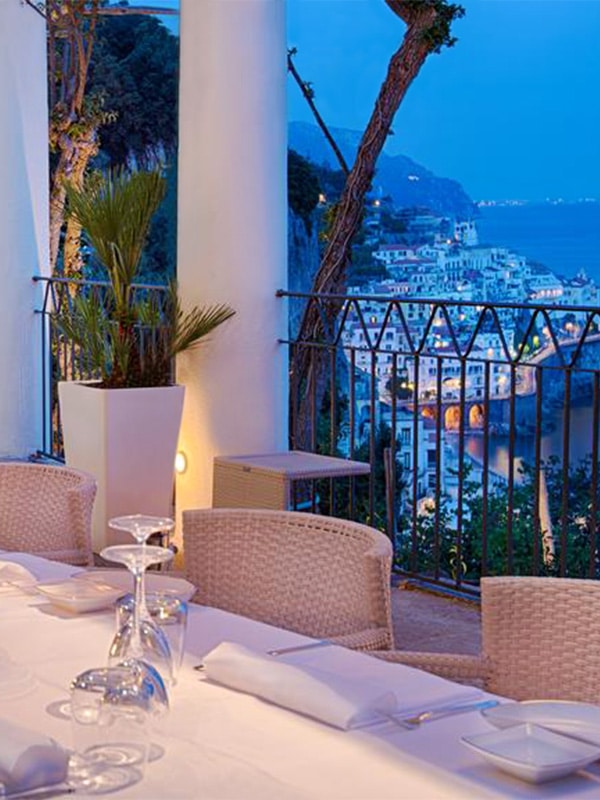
x=217 y=742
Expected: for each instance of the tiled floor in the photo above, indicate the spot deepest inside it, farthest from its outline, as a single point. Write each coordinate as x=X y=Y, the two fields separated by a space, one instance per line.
x=434 y=623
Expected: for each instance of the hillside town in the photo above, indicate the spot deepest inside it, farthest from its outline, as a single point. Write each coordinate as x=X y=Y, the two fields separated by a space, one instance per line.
x=454 y=293
x=453 y=297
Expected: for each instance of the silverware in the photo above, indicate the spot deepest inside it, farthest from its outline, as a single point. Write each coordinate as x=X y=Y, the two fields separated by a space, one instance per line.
x=433 y=714
x=280 y=651
x=40 y=793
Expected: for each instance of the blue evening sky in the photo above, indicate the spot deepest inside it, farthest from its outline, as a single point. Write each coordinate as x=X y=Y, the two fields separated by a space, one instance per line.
x=511 y=111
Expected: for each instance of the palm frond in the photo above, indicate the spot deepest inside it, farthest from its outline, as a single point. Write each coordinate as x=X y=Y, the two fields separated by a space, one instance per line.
x=115 y=211
x=190 y=328
x=130 y=339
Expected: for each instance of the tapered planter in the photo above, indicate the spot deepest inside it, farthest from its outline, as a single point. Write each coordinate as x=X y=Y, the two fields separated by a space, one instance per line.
x=127 y=439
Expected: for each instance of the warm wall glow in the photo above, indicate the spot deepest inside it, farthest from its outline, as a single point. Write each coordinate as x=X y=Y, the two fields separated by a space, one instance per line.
x=180 y=462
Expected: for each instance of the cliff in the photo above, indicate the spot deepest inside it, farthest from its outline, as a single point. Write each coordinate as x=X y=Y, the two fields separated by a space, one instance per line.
x=408 y=183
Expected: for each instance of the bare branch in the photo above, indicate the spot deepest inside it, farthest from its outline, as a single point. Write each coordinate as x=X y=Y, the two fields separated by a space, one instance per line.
x=115 y=11
x=308 y=94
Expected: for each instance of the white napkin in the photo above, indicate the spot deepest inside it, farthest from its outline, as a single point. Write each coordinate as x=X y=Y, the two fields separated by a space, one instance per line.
x=11 y=574
x=330 y=697
x=29 y=760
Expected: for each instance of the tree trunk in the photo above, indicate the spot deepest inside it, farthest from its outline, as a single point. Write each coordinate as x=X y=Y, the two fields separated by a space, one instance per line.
x=309 y=364
x=75 y=155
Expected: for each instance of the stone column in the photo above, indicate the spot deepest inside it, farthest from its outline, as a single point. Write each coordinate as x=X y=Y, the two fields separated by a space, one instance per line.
x=23 y=222
x=232 y=242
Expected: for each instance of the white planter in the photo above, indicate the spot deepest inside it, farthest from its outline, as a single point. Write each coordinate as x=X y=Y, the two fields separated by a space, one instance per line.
x=127 y=439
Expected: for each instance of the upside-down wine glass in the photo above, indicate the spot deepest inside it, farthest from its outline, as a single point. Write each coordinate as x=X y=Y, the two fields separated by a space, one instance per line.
x=140 y=638
x=141 y=527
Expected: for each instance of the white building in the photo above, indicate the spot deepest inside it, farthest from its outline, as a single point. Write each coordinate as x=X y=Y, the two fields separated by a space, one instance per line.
x=466 y=233
x=391 y=253
x=544 y=286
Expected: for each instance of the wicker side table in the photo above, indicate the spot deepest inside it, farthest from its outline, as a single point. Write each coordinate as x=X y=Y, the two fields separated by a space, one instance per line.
x=265 y=481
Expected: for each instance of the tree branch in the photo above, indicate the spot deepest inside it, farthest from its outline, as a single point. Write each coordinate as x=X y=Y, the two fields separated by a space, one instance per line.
x=309 y=95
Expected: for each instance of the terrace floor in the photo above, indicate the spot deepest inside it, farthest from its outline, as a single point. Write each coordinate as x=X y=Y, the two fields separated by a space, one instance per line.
x=431 y=622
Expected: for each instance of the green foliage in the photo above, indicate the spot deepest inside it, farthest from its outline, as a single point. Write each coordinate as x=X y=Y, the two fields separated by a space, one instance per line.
x=135 y=66
x=438 y=35
x=520 y=340
x=159 y=257
x=116 y=211
x=135 y=72
x=471 y=566
x=364 y=267
x=332 y=182
x=126 y=337
x=303 y=187
x=383 y=440
x=391 y=223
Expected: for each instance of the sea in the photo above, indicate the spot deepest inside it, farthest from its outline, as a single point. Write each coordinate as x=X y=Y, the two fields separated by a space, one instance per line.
x=565 y=237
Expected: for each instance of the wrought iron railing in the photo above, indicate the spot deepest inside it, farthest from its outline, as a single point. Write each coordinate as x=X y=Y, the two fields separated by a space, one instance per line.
x=480 y=421
x=61 y=359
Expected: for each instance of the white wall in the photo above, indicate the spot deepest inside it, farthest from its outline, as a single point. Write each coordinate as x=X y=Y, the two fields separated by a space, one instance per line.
x=232 y=242
x=23 y=222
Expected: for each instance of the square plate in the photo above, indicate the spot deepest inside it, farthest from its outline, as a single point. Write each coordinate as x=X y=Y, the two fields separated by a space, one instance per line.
x=532 y=753
x=580 y=720
x=14 y=577
x=79 y=596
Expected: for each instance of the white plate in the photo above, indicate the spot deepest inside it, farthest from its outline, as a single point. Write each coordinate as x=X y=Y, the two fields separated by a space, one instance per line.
x=532 y=753
x=581 y=720
x=79 y=596
x=123 y=580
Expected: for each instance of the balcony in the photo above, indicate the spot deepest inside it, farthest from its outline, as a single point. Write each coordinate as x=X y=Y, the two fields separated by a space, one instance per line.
x=480 y=422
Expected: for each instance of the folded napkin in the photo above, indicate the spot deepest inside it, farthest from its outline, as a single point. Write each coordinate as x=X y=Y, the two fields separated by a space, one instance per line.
x=327 y=696
x=11 y=574
x=29 y=760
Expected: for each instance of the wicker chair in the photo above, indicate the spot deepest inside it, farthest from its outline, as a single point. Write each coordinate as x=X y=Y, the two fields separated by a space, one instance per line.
x=540 y=640
x=320 y=576
x=46 y=510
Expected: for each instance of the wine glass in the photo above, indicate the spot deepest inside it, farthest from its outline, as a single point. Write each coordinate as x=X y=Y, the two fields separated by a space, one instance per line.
x=140 y=637
x=141 y=526
x=166 y=611
x=112 y=714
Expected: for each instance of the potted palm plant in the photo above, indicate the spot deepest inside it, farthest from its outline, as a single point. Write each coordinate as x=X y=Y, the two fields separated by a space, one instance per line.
x=123 y=427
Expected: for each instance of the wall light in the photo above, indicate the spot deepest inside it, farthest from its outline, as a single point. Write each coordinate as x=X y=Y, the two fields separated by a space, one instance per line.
x=180 y=462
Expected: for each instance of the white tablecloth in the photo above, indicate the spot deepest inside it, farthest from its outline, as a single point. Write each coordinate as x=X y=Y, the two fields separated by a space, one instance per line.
x=225 y=744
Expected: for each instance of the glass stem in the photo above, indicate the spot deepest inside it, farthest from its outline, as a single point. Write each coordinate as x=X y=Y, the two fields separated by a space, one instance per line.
x=138 y=607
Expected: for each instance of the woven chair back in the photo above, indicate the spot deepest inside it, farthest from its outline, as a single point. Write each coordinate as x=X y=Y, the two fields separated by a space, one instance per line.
x=541 y=637
x=46 y=510
x=317 y=575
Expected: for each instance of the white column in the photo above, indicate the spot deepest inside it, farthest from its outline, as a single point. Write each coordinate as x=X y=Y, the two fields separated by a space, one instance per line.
x=23 y=221
x=232 y=242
